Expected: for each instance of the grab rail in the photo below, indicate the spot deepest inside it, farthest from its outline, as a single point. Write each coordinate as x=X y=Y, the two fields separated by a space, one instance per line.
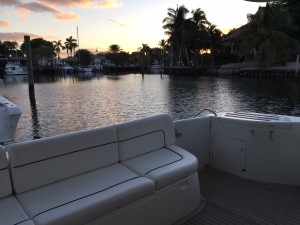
x=210 y=110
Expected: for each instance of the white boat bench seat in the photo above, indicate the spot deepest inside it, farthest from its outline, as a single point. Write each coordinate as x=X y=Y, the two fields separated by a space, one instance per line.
x=85 y=197
x=164 y=166
x=146 y=146
x=118 y=174
x=73 y=177
x=11 y=212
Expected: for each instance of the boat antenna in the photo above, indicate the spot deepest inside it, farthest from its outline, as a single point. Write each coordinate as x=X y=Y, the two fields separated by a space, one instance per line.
x=78 y=46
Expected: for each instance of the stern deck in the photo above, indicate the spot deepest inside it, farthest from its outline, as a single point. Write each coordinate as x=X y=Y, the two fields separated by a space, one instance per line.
x=234 y=200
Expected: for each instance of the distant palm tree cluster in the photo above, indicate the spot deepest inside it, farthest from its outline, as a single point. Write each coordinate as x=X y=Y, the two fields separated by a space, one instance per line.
x=70 y=46
x=270 y=35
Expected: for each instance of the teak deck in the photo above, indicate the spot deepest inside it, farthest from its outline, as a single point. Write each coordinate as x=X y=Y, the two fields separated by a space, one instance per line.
x=232 y=200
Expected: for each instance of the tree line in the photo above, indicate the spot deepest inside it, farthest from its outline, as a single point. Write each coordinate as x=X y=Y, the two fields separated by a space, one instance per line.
x=270 y=35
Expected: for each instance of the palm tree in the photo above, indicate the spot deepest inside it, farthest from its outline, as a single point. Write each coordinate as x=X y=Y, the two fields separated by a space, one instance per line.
x=145 y=52
x=115 y=50
x=175 y=25
x=162 y=43
x=70 y=45
x=215 y=40
x=200 y=35
x=57 y=47
x=266 y=34
x=67 y=47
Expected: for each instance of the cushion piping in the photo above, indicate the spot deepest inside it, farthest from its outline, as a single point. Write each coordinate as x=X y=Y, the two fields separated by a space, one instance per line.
x=85 y=196
x=57 y=156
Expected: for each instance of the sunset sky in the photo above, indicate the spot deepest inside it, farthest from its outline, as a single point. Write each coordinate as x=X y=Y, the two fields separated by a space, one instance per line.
x=128 y=23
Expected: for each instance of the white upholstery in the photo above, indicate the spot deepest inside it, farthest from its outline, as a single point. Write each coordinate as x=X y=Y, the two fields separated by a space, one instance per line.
x=164 y=166
x=85 y=197
x=5 y=183
x=44 y=161
x=12 y=213
x=86 y=176
x=144 y=135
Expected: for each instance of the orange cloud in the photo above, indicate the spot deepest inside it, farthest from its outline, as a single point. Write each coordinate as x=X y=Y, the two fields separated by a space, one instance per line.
x=110 y=3
x=39 y=7
x=67 y=16
x=4 y=23
x=75 y=3
x=84 y=3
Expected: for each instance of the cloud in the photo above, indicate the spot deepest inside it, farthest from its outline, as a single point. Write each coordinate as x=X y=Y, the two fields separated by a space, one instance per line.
x=39 y=7
x=110 y=4
x=67 y=16
x=19 y=36
x=9 y=2
x=4 y=23
x=112 y=20
x=117 y=22
x=73 y=3
x=16 y=36
x=84 y=3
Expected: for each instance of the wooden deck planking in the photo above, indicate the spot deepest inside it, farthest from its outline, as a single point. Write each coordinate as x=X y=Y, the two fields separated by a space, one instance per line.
x=233 y=200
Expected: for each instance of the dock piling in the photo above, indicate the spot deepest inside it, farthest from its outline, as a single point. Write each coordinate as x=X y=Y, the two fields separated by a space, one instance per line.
x=29 y=67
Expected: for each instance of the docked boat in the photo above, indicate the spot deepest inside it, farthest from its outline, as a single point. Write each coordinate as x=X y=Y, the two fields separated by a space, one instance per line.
x=218 y=168
x=84 y=69
x=155 y=67
x=64 y=67
x=15 y=68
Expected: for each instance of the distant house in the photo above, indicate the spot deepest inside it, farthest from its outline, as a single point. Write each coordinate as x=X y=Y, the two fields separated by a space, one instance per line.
x=229 y=42
x=100 y=61
x=45 y=62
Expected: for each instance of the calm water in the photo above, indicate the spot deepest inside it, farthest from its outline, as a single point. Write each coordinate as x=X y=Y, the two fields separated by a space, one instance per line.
x=65 y=104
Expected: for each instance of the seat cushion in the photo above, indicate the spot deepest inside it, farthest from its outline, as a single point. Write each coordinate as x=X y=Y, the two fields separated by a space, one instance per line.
x=40 y=162
x=82 y=198
x=164 y=166
x=12 y=213
x=5 y=182
x=144 y=135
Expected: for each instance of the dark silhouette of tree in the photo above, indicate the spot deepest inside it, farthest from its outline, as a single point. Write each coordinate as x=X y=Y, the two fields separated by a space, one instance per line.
x=266 y=34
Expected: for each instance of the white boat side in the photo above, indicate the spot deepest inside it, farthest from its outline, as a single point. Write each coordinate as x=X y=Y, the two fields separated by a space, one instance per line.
x=9 y=118
x=255 y=146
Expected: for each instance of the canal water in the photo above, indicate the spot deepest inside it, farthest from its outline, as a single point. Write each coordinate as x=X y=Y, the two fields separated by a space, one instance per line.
x=77 y=102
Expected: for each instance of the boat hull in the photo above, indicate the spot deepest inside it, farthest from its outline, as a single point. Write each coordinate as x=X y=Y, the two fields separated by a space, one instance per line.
x=263 y=150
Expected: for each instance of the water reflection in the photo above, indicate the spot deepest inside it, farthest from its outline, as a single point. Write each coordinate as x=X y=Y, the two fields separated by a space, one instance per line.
x=66 y=103
x=35 y=119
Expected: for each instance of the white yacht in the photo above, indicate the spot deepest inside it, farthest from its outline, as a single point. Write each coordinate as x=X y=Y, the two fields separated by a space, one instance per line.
x=14 y=68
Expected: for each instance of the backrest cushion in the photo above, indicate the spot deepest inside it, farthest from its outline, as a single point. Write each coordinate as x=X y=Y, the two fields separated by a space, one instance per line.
x=47 y=160
x=5 y=183
x=144 y=135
